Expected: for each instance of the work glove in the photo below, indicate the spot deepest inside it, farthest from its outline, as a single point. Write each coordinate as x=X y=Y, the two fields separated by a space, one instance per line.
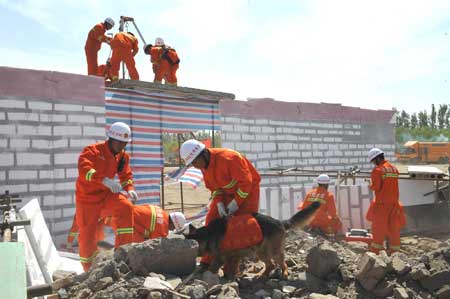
x=221 y=209
x=232 y=207
x=114 y=186
x=133 y=196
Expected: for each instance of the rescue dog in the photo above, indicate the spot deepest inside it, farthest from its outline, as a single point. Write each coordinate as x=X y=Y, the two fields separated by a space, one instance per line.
x=270 y=251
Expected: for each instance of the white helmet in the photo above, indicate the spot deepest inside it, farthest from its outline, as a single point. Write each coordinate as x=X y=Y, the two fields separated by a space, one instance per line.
x=373 y=153
x=190 y=149
x=159 y=41
x=109 y=21
x=178 y=220
x=119 y=131
x=323 y=179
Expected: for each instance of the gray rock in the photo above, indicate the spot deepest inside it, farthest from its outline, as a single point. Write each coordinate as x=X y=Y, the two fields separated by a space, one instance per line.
x=399 y=264
x=227 y=292
x=210 y=278
x=384 y=289
x=371 y=269
x=400 y=293
x=436 y=280
x=312 y=283
x=174 y=256
x=419 y=271
x=444 y=292
x=120 y=293
x=103 y=283
x=277 y=294
x=60 y=274
x=322 y=260
x=154 y=295
x=262 y=293
x=320 y=296
x=195 y=291
x=214 y=290
x=84 y=293
x=123 y=268
x=288 y=289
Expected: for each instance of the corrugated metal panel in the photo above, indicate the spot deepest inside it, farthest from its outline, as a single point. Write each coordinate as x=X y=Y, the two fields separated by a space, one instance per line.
x=149 y=116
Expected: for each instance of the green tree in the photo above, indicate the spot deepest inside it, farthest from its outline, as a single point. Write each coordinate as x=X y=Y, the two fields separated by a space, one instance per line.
x=423 y=119
x=442 y=113
x=433 y=117
x=405 y=119
x=414 y=121
x=447 y=118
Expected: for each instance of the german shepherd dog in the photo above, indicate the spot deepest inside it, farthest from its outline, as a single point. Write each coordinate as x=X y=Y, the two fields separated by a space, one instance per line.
x=270 y=250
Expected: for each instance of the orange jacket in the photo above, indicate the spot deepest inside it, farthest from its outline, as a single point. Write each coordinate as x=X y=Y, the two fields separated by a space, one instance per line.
x=243 y=231
x=126 y=41
x=151 y=221
x=230 y=175
x=94 y=164
x=104 y=70
x=157 y=54
x=95 y=37
x=326 y=214
x=384 y=182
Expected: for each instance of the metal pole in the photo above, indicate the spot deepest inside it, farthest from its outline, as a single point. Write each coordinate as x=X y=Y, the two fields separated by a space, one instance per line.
x=162 y=187
x=181 y=184
x=139 y=32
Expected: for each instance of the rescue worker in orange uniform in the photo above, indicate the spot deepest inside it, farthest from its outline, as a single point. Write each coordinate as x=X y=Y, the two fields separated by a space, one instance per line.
x=94 y=42
x=150 y=222
x=124 y=47
x=165 y=62
x=104 y=70
x=326 y=218
x=385 y=211
x=231 y=178
x=96 y=190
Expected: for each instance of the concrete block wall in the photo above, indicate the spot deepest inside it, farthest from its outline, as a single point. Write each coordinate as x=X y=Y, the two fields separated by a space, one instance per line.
x=44 y=125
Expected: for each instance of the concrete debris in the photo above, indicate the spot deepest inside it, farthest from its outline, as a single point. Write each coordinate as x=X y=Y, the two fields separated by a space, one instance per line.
x=318 y=269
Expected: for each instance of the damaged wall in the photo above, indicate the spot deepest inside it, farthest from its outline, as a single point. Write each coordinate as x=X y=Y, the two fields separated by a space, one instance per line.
x=46 y=119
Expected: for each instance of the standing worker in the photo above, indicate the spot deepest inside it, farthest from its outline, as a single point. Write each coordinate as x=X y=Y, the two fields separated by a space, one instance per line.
x=326 y=218
x=165 y=62
x=96 y=190
x=385 y=211
x=124 y=47
x=94 y=42
x=231 y=178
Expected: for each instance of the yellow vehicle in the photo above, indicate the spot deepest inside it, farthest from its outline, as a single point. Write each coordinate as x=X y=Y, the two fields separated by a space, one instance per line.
x=424 y=152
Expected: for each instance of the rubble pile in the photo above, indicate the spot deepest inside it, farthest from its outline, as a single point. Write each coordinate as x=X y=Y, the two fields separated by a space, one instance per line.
x=318 y=269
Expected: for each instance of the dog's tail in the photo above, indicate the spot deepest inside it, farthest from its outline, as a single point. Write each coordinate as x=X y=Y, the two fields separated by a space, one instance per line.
x=301 y=218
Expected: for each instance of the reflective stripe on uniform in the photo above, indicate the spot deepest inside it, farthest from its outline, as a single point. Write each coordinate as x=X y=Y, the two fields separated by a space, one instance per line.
x=152 y=227
x=390 y=175
x=124 y=230
x=129 y=182
x=89 y=174
x=215 y=193
x=394 y=247
x=73 y=234
x=87 y=259
x=241 y=193
x=318 y=199
x=377 y=246
x=230 y=185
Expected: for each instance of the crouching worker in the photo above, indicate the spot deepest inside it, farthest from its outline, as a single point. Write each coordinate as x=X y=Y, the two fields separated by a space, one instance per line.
x=326 y=218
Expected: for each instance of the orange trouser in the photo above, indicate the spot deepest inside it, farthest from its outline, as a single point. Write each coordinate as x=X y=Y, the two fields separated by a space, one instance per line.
x=166 y=71
x=249 y=206
x=119 y=55
x=91 y=58
x=87 y=216
x=387 y=220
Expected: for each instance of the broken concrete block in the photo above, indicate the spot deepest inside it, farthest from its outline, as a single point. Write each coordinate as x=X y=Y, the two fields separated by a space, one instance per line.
x=103 y=283
x=400 y=293
x=444 y=292
x=399 y=265
x=155 y=283
x=419 y=271
x=322 y=260
x=228 y=292
x=320 y=296
x=371 y=269
x=167 y=256
x=384 y=289
x=436 y=280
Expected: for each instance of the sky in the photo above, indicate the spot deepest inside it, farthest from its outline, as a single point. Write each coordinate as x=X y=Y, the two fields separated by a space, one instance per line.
x=369 y=54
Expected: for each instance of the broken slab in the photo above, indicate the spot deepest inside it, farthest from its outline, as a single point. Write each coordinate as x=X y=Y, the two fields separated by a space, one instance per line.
x=371 y=269
x=322 y=260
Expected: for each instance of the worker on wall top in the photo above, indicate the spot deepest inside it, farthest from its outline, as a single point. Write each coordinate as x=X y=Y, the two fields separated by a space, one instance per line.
x=385 y=211
x=165 y=62
x=124 y=47
x=94 y=42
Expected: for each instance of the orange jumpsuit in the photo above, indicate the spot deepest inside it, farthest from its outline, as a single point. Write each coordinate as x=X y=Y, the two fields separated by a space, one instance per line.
x=104 y=70
x=94 y=164
x=385 y=211
x=326 y=218
x=229 y=176
x=150 y=222
x=165 y=64
x=94 y=42
x=124 y=46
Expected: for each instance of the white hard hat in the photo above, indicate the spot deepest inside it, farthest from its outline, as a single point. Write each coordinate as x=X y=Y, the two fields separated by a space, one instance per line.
x=159 y=41
x=373 y=153
x=110 y=21
x=323 y=179
x=119 y=131
x=190 y=149
x=178 y=220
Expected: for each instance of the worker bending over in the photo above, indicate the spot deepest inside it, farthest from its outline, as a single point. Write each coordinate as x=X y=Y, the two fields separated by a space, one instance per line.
x=94 y=42
x=385 y=211
x=165 y=62
x=326 y=218
x=124 y=47
x=104 y=70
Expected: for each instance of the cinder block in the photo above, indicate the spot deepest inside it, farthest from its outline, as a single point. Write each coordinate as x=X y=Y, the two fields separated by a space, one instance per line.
x=264 y=155
x=317 y=154
x=285 y=146
x=49 y=144
x=290 y=124
x=248 y=137
x=316 y=139
x=66 y=158
x=62 y=226
x=261 y=121
x=8 y=129
x=269 y=146
x=232 y=120
x=71 y=173
x=23 y=116
x=39 y=130
x=337 y=139
x=100 y=120
x=32 y=159
x=227 y=144
x=80 y=142
x=68 y=212
x=2 y=175
x=304 y=138
x=256 y=147
x=343 y=160
x=19 y=143
x=298 y=131
x=304 y=124
x=240 y=128
x=343 y=146
x=10 y=103
x=22 y=174
x=323 y=132
x=252 y=157
x=276 y=122
x=306 y=154
x=248 y=121
x=81 y=118
x=19 y=189
x=94 y=109
x=311 y=131
x=261 y=137
x=279 y=130
x=227 y=128
x=313 y=161
x=7 y=159
x=242 y=146
x=52 y=174
x=288 y=162
x=52 y=200
x=232 y=136
x=45 y=117
x=52 y=213
x=41 y=187
x=66 y=130
x=334 y=160
x=65 y=186
x=68 y=107
x=291 y=137
x=337 y=126
x=37 y=105
x=2 y=115
x=356 y=126
x=328 y=139
x=260 y=164
x=288 y=130
x=254 y=129
x=268 y=130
